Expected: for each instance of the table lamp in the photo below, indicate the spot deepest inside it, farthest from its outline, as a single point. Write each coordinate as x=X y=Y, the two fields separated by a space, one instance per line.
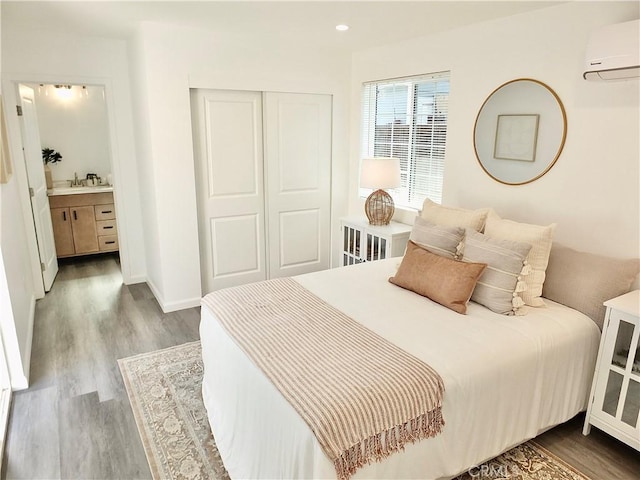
x=379 y=173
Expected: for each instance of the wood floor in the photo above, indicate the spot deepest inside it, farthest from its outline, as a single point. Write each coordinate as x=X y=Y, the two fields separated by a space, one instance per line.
x=75 y=421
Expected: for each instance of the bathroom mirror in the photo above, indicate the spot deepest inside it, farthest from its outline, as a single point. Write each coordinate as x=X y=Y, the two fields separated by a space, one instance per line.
x=520 y=131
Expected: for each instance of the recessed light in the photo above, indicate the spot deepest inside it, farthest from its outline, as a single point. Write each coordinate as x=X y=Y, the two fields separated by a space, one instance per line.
x=342 y=28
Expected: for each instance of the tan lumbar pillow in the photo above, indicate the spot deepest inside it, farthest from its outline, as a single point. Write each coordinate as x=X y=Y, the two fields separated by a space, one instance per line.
x=445 y=281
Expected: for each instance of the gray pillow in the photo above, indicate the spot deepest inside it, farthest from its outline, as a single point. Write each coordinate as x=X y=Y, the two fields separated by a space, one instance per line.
x=584 y=281
x=438 y=239
x=498 y=287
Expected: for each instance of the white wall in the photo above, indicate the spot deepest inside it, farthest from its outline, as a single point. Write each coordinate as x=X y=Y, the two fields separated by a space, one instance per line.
x=170 y=60
x=77 y=128
x=33 y=56
x=592 y=192
x=146 y=171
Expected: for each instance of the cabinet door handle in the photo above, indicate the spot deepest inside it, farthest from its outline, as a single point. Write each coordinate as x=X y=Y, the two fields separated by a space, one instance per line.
x=108 y=227
x=75 y=215
x=110 y=242
x=106 y=211
x=64 y=215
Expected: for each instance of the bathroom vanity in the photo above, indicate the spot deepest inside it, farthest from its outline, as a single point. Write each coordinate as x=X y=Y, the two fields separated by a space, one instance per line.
x=84 y=220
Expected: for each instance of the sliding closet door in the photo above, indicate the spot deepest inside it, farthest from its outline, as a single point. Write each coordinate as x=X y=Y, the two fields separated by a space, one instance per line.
x=298 y=182
x=227 y=129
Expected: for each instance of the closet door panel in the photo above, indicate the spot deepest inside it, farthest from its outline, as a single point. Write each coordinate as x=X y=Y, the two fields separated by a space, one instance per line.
x=296 y=253
x=298 y=182
x=228 y=152
x=233 y=169
x=300 y=155
x=237 y=234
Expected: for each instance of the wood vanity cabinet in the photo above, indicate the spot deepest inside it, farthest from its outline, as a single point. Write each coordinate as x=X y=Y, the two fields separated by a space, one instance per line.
x=83 y=223
x=74 y=230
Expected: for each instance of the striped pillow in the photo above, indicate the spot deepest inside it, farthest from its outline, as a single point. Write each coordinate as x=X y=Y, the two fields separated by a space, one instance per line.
x=498 y=287
x=540 y=238
x=438 y=239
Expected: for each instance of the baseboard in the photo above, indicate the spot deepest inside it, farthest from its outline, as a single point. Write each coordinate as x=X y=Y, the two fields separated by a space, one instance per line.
x=155 y=291
x=181 y=305
x=172 y=306
x=135 y=279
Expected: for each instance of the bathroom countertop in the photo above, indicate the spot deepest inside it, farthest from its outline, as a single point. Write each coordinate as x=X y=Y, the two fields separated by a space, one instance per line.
x=78 y=190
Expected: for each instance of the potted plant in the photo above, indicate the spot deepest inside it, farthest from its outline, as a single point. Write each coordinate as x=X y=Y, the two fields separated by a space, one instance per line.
x=49 y=156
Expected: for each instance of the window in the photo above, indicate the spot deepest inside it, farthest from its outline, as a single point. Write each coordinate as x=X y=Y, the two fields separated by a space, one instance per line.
x=406 y=118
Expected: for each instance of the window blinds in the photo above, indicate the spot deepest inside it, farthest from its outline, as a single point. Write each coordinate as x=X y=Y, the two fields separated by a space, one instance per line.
x=406 y=118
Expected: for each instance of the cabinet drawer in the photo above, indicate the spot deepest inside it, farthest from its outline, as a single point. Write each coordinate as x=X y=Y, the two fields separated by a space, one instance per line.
x=105 y=212
x=108 y=242
x=107 y=227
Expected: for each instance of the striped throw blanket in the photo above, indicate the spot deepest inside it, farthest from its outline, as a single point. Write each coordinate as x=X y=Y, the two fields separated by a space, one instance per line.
x=363 y=397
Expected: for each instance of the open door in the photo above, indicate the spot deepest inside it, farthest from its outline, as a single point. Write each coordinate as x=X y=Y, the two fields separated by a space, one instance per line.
x=37 y=186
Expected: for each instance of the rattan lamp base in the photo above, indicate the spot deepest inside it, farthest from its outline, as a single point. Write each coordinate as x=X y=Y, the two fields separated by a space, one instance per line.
x=379 y=208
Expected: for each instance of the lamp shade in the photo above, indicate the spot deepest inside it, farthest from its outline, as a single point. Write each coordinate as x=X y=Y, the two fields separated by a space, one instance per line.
x=380 y=173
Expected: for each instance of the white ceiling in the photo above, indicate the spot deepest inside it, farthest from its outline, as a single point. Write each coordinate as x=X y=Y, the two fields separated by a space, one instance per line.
x=310 y=22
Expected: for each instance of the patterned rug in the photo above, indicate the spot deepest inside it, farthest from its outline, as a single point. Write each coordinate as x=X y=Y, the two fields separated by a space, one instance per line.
x=164 y=389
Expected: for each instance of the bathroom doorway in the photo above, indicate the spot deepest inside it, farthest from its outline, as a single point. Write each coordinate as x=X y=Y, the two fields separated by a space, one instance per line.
x=73 y=128
x=73 y=121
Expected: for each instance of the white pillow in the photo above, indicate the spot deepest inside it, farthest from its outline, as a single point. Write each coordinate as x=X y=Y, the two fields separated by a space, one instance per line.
x=453 y=216
x=539 y=237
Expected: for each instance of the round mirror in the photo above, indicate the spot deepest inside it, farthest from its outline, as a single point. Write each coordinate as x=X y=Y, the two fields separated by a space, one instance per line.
x=520 y=131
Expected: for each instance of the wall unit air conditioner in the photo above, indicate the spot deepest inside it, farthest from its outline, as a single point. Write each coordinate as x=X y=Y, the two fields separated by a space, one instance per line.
x=613 y=52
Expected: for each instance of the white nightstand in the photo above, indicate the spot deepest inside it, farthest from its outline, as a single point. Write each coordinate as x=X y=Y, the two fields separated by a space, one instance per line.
x=614 y=403
x=363 y=242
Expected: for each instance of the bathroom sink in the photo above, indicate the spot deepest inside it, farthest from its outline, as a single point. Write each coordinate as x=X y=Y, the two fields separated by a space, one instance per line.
x=78 y=190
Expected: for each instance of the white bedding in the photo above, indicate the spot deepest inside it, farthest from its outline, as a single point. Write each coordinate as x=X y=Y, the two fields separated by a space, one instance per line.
x=506 y=378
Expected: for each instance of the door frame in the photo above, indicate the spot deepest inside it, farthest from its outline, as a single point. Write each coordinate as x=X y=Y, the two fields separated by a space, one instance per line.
x=10 y=89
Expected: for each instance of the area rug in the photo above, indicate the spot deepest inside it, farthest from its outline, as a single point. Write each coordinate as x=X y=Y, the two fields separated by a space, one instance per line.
x=164 y=389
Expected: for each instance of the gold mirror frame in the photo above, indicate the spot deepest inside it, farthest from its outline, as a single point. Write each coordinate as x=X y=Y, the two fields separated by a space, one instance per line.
x=543 y=113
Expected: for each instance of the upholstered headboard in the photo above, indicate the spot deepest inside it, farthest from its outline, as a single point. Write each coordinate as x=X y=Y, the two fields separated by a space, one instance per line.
x=584 y=281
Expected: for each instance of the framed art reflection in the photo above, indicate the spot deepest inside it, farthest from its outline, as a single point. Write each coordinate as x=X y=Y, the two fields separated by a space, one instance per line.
x=516 y=137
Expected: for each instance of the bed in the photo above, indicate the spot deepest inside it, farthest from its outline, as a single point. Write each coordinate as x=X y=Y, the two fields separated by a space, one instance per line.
x=507 y=379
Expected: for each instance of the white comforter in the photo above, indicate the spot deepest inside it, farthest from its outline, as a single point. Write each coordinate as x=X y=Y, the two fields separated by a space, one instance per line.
x=506 y=379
